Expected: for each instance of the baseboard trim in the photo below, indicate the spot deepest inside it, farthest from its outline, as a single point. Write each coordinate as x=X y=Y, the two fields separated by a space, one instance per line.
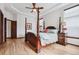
x=73 y=44
x=20 y=37
x=72 y=37
x=8 y=37
x=15 y=38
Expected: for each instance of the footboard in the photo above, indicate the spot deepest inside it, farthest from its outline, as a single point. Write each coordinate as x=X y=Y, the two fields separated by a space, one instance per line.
x=32 y=41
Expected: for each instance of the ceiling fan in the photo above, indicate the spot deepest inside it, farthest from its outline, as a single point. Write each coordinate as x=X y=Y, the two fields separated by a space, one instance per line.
x=34 y=8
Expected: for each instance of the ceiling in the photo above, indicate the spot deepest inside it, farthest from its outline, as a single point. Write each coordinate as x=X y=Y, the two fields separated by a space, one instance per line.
x=20 y=7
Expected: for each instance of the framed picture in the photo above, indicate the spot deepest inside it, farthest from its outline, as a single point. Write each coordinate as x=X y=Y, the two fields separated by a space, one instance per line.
x=29 y=26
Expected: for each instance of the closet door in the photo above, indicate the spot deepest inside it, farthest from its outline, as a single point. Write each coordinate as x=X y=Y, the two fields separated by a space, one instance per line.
x=13 y=29
x=1 y=27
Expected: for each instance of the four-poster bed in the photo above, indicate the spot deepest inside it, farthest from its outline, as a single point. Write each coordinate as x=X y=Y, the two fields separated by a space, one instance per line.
x=37 y=41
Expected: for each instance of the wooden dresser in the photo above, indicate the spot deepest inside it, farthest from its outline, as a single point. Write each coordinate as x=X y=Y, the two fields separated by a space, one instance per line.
x=61 y=38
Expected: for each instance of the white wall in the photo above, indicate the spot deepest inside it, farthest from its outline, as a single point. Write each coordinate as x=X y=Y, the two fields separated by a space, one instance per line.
x=52 y=19
x=21 y=24
x=32 y=20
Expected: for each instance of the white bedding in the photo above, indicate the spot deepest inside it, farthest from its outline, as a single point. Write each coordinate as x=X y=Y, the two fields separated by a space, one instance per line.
x=47 y=38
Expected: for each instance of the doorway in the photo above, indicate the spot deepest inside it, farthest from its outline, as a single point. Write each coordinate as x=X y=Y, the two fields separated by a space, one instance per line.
x=11 y=29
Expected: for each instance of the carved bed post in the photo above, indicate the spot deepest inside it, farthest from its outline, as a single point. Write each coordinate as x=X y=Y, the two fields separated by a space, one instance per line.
x=38 y=37
x=34 y=40
x=25 y=30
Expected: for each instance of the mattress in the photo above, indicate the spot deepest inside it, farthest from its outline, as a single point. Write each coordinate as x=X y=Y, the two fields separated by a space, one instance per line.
x=47 y=38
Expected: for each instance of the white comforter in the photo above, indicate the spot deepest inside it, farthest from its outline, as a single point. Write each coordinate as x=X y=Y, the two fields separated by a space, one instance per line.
x=47 y=38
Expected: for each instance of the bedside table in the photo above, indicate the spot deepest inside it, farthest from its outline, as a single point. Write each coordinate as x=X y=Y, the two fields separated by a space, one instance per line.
x=61 y=39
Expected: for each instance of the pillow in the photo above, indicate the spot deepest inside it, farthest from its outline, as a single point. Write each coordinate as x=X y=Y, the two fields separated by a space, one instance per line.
x=52 y=31
x=46 y=30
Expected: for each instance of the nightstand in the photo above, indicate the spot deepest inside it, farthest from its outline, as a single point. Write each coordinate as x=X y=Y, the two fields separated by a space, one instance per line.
x=61 y=39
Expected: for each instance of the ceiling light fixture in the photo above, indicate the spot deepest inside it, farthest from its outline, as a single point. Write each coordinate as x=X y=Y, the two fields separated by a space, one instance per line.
x=34 y=10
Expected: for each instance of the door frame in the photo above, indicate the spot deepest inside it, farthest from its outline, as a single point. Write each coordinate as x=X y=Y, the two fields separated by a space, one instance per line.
x=1 y=27
x=11 y=29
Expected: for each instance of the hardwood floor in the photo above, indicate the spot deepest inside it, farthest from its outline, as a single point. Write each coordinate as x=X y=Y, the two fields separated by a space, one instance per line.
x=18 y=47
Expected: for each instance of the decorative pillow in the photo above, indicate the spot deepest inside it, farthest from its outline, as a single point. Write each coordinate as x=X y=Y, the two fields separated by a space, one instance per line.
x=46 y=30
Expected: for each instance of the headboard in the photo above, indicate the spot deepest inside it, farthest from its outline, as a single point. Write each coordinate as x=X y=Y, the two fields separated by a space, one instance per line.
x=51 y=27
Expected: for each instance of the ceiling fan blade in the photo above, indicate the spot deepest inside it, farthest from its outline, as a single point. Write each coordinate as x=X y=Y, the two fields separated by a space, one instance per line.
x=41 y=7
x=31 y=11
x=28 y=7
x=34 y=4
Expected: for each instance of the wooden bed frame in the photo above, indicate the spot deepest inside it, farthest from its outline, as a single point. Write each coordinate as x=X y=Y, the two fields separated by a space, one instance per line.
x=31 y=39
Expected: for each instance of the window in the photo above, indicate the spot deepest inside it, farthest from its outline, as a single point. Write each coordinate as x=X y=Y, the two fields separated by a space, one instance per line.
x=71 y=17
